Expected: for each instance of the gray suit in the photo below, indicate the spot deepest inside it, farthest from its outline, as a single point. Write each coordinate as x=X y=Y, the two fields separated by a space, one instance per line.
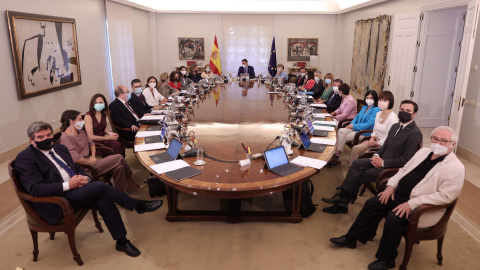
x=395 y=152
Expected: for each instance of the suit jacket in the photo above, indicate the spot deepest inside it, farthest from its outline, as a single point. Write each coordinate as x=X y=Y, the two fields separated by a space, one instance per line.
x=318 y=89
x=139 y=105
x=122 y=117
x=40 y=177
x=250 y=71
x=333 y=101
x=347 y=109
x=365 y=121
x=300 y=80
x=398 y=150
x=442 y=184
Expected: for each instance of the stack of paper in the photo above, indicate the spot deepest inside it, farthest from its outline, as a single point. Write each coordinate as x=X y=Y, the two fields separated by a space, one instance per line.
x=322 y=141
x=152 y=117
x=142 y=134
x=149 y=146
x=321 y=115
x=326 y=128
x=309 y=162
x=159 y=112
x=321 y=106
x=324 y=123
x=169 y=166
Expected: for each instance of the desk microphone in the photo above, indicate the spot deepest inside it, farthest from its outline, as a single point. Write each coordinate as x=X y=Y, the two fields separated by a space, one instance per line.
x=278 y=137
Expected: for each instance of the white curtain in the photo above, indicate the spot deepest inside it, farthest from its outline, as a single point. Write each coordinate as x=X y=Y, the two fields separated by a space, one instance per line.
x=246 y=36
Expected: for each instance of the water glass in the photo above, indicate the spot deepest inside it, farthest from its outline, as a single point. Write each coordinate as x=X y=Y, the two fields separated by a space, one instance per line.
x=200 y=157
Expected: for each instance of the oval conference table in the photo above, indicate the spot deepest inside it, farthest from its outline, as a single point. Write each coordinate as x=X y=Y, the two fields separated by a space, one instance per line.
x=223 y=119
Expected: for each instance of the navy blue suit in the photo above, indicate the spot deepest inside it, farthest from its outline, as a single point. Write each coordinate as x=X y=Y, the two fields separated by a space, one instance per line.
x=40 y=177
x=139 y=105
x=333 y=102
x=250 y=71
x=300 y=80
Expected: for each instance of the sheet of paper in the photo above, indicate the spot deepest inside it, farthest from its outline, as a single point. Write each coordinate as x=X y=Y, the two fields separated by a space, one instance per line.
x=324 y=122
x=308 y=162
x=153 y=117
x=183 y=91
x=142 y=134
x=169 y=166
x=324 y=128
x=149 y=146
x=273 y=92
x=321 y=115
x=322 y=106
x=159 y=112
x=322 y=141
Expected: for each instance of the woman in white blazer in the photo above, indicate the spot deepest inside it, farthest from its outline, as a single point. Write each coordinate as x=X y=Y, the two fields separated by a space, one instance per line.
x=152 y=96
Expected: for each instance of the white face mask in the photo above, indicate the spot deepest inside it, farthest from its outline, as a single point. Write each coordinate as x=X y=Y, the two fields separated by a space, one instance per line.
x=438 y=149
x=279 y=69
x=79 y=124
x=383 y=105
x=184 y=72
x=335 y=89
x=152 y=85
x=317 y=79
x=207 y=70
x=369 y=102
x=302 y=74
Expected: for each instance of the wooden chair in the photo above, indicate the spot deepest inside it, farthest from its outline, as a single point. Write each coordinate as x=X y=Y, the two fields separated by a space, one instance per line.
x=126 y=144
x=413 y=234
x=292 y=78
x=100 y=148
x=70 y=221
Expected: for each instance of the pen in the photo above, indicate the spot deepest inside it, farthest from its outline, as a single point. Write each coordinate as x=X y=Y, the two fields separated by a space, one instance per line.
x=244 y=148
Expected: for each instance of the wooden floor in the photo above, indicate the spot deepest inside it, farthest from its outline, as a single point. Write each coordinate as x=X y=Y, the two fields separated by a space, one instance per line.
x=8 y=199
x=468 y=202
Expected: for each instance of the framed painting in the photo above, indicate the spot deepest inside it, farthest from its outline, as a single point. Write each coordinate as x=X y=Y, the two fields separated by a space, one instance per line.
x=191 y=48
x=45 y=53
x=300 y=49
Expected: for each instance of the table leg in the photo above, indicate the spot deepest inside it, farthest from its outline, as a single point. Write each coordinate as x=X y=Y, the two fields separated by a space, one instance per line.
x=172 y=198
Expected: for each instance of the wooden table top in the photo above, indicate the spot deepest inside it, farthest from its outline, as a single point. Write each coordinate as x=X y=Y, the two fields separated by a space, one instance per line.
x=226 y=117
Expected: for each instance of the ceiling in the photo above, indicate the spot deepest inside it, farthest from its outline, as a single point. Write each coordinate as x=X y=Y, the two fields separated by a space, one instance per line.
x=251 y=7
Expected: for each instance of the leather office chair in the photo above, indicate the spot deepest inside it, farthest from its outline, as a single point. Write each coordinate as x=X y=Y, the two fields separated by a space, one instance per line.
x=100 y=148
x=125 y=143
x=70 y=221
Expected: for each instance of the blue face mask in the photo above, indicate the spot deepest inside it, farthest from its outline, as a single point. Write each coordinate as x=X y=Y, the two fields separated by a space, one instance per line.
x=328 y=81
x=138 y=90
x=99 y=107
x=129 y=96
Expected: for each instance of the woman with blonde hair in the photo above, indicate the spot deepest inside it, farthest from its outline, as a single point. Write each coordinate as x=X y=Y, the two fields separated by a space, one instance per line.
x=165 y=89
x=207 y=72
x=328 y=83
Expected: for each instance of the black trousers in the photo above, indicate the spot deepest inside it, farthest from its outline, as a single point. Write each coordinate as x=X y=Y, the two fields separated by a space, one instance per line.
x=367 y=223
x=361 y=171
x=100 y=196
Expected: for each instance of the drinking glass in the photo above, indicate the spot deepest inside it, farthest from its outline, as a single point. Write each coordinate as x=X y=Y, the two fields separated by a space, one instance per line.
x=200 y=155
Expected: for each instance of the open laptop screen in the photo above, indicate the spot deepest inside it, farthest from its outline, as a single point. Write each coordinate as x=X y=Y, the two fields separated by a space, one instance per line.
x=305 y=140
x=310 y=126
x=162 y=135
x=276 y=157
x=174 y=148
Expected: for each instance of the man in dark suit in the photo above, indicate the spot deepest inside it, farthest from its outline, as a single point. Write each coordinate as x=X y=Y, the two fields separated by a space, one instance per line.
x=123 y=114
x=138 y=101
x=401 y=144
x=47 y=169
x=245 y=68
x=334 y=99
x=318 y=88
x=301 y=78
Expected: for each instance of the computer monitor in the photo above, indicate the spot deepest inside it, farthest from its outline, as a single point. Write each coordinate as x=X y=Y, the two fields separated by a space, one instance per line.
x=174 y=148
x=276 y=157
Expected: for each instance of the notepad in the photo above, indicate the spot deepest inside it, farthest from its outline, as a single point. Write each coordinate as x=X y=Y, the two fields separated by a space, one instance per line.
x=153 y=117
x=323 y=141
x=309 y=162
x=326 y=128
x=322 y=106
x=169 y=166
x=149 y=146
x=142 y=134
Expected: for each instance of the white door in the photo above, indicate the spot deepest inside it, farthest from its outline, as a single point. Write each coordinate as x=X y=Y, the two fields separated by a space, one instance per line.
x=402 y=55
x=464 y=64
x=437 y=59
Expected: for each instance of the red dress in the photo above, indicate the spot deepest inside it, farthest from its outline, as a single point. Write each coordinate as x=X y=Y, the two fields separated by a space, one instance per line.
x=99 y=130
x=175 y=85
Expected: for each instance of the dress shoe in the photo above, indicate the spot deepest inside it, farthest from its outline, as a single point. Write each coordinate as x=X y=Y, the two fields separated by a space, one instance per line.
x=342 y=241
x=336 y=200
x=129 y=249
x=336 y=209
x=381 y=265
x=150 y=206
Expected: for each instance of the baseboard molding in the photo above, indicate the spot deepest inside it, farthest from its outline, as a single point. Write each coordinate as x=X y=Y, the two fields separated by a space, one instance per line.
x=468 y=155
x=468 y=225
x=11 y=219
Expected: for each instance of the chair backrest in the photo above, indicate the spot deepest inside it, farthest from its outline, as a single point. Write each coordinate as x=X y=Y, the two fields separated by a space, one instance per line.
x=56 y=137
x=360 y=104
x=292 y=78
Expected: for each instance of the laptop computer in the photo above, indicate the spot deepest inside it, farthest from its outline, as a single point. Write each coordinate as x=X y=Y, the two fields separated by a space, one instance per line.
x=316 y=132
x=156 y=138
x=308 y=145
x=183 y=173
x=278 y=163
x=154 y=128
x=171 y=154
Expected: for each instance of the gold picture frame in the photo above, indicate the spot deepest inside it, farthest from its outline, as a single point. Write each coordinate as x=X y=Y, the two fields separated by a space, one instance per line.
x=45 y=53
x=191 y=48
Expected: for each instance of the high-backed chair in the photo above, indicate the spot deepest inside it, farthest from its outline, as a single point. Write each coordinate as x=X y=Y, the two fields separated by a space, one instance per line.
x=70 y=221
x=292 y=78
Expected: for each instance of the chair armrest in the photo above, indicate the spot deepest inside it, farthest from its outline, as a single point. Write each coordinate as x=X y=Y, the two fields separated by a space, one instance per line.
x=90 y=168
x=369 y=153
x=122 y=128
x=343 y=123
x=356 y=139
x=387 y=173
x=61 y=201
x=104 y=148
x=417 y=212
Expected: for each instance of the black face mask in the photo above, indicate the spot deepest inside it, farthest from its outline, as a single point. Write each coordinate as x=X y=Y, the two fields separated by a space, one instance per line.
x=46 y=144
x=177 y=79
x=404 y=116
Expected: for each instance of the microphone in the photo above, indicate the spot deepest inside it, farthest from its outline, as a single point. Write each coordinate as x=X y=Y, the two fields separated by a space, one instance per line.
x=276 y=138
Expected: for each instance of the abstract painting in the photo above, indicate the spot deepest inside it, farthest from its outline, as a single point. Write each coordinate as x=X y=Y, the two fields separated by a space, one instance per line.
x=191 y=48
x=300 y=49
x=45 y=53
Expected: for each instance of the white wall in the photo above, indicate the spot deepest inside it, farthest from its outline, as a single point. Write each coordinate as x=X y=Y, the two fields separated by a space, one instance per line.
x=92 y=46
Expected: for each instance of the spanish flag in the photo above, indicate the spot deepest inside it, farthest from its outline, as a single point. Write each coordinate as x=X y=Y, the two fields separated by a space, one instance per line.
x=215 y=63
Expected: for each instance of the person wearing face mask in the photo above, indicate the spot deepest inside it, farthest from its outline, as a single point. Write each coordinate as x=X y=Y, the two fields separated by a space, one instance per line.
x=328 y=84
x=309 y=82
x=47 y=169
x=123 y=115
x=96 y=125
x=207 y=72
x=348 y=106
x=318 y=87
x=184 y=80
x=335 y=99
x=175 y=80
x=193 y=74
x=138 y=102
x=433 y=176
x=151 y=94
x=281 y=74
x=165 y=89
x=82 y=149
x=383 y=122
x=245 y=68
x=402 y=142
x=301 y=78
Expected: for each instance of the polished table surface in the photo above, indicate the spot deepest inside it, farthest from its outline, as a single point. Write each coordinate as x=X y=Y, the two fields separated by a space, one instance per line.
x=224 y=118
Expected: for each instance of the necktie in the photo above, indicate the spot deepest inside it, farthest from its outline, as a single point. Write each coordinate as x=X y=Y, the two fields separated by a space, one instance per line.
x=62 y=164
x=399 y=129
x=141 y=99
x=126 y=104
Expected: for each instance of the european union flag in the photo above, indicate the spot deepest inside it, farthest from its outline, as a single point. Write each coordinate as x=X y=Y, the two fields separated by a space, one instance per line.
x=272 y=65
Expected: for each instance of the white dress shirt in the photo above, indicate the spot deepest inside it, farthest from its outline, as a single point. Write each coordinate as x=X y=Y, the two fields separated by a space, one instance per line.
x=152 y=100
x=65 y=176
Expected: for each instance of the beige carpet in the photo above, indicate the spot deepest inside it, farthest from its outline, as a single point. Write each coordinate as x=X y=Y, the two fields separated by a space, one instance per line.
x=219 y=245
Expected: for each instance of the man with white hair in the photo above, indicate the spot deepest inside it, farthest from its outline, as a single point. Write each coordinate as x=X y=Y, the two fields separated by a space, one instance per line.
x=432 y=176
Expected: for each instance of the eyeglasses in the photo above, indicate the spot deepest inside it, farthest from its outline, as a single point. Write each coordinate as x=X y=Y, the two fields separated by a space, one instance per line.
x=441 y=141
